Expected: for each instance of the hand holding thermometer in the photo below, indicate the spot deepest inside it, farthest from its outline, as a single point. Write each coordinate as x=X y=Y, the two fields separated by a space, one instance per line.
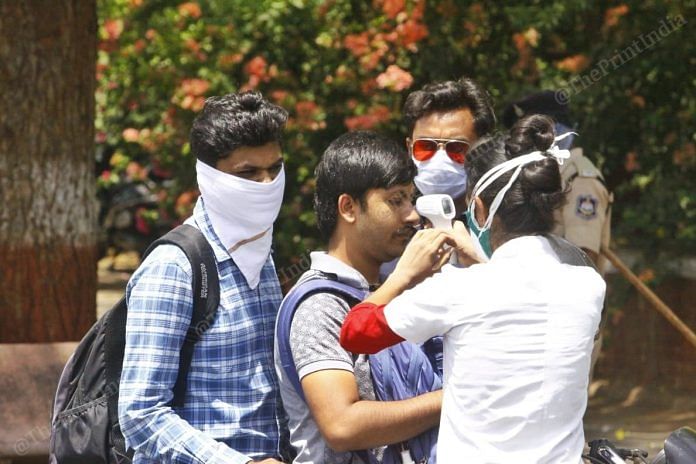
x=439 y=210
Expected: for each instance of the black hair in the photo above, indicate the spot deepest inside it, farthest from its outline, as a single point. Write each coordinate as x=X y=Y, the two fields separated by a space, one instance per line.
x=232 y=121
x=529 y=204
x=450 y=96
x=353 y=164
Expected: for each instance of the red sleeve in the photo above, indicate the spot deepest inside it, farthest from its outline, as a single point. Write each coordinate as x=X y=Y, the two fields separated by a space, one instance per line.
x=365 y=330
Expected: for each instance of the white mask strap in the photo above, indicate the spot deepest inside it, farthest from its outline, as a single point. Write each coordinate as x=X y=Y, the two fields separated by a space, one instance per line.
x=515 y=163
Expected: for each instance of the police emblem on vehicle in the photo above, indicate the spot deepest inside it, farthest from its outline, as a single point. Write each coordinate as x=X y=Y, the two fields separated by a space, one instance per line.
x=586 y=207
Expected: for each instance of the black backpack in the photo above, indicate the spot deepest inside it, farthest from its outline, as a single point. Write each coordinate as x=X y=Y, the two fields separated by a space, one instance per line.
x=85 y=426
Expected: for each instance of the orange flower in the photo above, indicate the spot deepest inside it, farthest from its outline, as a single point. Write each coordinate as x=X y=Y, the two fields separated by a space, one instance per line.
x=190 y=9
x=573 y=64
x=307 y=115
x=279 y=95
x=357 y=44
x=411 y=32
x=113 y=28
x=418 y=10
x=135 y=171
x=395 y=78
x=306 y=108
x=391 y=8
x=612 y=15
x=229 y=59
x=256 y=67
x=638 y=100
x=139 y=45
x=377 y=115
x=192 y=45
x=194 y=87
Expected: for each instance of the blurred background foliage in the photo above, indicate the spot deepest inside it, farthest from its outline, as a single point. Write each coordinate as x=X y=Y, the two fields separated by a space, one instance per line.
x=339 y=65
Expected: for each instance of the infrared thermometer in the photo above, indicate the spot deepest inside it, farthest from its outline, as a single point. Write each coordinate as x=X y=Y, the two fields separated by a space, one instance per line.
x=438 y=209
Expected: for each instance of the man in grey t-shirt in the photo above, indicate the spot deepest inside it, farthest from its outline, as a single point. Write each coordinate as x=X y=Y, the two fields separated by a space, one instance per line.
x=364 y=208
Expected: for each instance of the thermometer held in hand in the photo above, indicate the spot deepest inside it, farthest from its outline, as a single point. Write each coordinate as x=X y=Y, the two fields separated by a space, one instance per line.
x=438 y=209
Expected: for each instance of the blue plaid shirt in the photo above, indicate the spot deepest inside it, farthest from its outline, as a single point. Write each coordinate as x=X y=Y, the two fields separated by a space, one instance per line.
x=231 y=413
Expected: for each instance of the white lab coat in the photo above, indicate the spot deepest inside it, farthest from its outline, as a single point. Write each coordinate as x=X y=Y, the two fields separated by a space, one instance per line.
x=518 y=335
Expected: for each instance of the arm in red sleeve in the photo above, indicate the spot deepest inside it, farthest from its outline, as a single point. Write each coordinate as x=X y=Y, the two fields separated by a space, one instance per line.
x=365 y=330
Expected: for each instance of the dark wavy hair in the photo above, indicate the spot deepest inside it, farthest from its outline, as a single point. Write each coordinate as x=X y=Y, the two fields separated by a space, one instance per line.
x=232 y=121
x=354 y=163
x=451 y=96
x=528 y=206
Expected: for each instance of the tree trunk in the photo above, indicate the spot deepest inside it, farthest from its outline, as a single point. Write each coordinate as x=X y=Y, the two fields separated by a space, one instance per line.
x=48 y=225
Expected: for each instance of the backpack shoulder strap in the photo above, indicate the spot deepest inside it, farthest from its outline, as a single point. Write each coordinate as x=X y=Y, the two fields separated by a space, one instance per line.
x=206 y=294
x=287 y=311
x=569 y=253
x=206 y=290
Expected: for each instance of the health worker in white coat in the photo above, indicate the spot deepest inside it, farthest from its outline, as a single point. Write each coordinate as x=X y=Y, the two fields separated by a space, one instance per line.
x=518 y=327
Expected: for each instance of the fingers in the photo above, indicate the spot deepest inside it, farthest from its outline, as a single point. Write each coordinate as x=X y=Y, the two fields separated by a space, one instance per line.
x=466 y=253
x=443 y=258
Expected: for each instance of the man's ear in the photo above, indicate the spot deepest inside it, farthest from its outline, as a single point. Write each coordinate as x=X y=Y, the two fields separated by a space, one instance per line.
x=347 y=208
x=480 y=211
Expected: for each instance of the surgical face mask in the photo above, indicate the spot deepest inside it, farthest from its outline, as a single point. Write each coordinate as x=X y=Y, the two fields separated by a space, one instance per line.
x=482 y=239
x=242 y=213
x=440 y=174
x=481 y=234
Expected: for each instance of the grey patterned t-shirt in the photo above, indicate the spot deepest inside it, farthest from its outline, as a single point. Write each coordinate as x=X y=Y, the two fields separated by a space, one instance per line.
x=314 y=344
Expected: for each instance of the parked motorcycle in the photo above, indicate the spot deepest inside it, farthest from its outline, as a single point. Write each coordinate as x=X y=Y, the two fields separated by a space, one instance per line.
x=679 y=448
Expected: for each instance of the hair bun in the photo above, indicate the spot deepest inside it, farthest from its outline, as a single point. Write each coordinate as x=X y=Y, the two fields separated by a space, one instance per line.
x=531 y=133
x=542 y=185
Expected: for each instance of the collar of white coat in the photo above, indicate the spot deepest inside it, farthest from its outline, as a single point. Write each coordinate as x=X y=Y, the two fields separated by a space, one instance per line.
x=533 y=247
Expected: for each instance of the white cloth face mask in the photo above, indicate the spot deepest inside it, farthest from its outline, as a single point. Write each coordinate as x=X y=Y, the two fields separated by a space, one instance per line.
x=242 y=213
x=440 y=174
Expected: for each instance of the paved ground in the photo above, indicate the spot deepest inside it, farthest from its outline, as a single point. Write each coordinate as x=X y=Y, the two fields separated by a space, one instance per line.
x=631 y=417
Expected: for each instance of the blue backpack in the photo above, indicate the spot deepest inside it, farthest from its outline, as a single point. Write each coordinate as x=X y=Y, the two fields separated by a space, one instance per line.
x=399 y=372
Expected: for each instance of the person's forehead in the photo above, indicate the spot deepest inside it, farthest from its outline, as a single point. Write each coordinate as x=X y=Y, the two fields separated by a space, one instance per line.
x=457 y=123
x=404 y=189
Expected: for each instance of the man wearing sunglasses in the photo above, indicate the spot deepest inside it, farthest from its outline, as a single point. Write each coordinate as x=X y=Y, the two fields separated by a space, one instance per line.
x=444 y=119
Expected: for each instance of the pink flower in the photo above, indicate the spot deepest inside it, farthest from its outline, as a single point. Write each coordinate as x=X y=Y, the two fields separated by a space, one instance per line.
x=377 y=115
x=131 y=134
x=395 y=78
x=113 y=28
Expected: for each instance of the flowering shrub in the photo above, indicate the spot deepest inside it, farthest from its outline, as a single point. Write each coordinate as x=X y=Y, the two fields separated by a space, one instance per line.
x=340 y=65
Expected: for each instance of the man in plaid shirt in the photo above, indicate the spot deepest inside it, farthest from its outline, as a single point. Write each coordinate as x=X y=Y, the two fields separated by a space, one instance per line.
x=232 y=411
